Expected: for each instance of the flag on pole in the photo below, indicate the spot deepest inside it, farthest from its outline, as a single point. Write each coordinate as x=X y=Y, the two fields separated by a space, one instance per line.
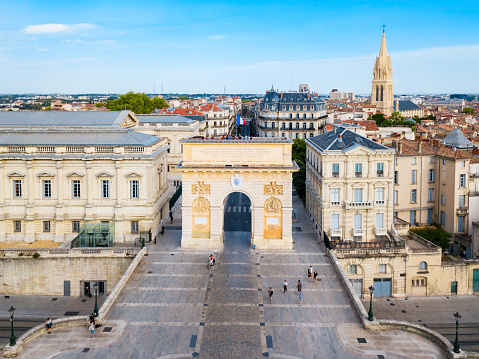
x=239 y=120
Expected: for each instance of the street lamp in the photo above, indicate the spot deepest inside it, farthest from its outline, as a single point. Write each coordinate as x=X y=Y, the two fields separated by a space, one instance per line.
x=13 y=338
x=370 y=313
x=95 y=311
x=457 y=348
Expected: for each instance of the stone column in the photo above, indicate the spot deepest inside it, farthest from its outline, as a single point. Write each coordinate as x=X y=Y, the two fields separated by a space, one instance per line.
x=30 y=196
x=89 y=191
x=59 y=213
x=3 y=184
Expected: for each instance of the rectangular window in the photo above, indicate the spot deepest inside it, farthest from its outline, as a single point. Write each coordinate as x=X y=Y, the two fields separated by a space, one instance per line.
x=431 y=159
x=335 y=221
x=358 y=195
x=358 y=170
x=382 y=268
x=75 y=226
x=134 y=226
x=17 y=188
x=134 y=189
x=17 y=226
x=443 y=199
x=358 y=221
x=463 y=164
x=335 y=170
x=353 y=269
x=379 y=220
x=47 y=188
x=105 y=189
x=462 y=201
x=414 y=176
x=430 y=195
x=414 y=160
x=380 y=169
x=443 y=218
x=460 y=224
x=412 y=217
x=462 y=181
x=443 y=161
x=335 y=195
x=431 y=176
x=429 y=216
x=413 y=195
x=380 y=195
x=395 y=177
x=46 y=226
x=395 y=197
x=76 y=189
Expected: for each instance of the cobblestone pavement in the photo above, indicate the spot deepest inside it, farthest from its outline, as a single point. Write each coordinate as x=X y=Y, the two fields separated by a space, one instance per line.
x=435 y=313
x=174 y=306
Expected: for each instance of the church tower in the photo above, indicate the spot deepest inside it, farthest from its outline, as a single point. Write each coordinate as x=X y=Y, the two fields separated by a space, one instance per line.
x=382 y=94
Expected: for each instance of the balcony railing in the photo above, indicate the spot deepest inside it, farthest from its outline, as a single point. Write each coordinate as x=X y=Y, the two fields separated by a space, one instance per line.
x=358 y=174
x=380 y=231
x=358 y=231
x=462 y=211
x=380 y=203
x=335 y=203
x=366 y=204
x=335 y=232
x=380 y=173
x=335 y=174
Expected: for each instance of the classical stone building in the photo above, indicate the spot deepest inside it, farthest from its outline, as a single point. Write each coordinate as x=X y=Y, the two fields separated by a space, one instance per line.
x=259 y=168
x=59 y=170
x=290 y=115
x=349 y=185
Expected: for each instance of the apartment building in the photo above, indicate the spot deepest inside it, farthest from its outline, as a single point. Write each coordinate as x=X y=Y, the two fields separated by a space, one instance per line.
x=349 y=181
x=290 y=114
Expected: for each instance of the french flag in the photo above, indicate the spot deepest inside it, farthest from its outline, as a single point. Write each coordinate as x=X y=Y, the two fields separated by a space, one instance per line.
x=239 y=120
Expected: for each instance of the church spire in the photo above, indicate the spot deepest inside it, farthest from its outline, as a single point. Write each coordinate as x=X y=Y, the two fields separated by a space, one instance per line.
x=383 y=51
x=382 y=94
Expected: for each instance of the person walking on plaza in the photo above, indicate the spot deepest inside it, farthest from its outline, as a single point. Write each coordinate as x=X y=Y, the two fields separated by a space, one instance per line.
x=155 y=240
x=285 y=286
x=92 y=318
x=171 y=217
x=299 y=286
x=48 y=325
x=310 y=273
x=162 y=230
x=91 y=328
x=316 y=277
x=270 y=293
x=300 y=296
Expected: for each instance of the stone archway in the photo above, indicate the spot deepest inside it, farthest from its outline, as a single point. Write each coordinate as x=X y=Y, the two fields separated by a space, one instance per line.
x=260 y=168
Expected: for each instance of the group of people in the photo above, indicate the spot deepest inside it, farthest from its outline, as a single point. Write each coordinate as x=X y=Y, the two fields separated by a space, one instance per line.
x=312 y=275
x=234 y=137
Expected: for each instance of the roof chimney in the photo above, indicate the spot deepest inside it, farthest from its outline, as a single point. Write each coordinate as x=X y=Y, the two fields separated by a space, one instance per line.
x=420 y=147
x=400 y=147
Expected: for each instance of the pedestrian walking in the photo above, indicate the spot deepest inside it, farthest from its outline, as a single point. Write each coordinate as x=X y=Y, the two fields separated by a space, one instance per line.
x=162 y=230
x=270 y=293
x=310 y=273
x=171 y=217
x=91 y=328
x=48 y=325
x=92 y=318
x=300 y=296
x=155 y=240
x=316 y=277
x=285 y=286
x=299 y=286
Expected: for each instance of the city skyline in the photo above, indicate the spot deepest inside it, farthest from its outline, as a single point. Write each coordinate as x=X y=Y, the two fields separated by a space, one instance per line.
x=186 y=47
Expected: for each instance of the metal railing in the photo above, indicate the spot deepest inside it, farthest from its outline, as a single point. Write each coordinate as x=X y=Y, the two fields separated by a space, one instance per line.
x=175 y=196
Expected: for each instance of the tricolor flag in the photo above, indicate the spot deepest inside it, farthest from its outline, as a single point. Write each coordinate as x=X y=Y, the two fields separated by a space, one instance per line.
x=239 y=120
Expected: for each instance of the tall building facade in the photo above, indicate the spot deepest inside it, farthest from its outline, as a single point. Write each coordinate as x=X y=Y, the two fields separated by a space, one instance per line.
x=382 y=94
x=349 y=185
x=290 y=114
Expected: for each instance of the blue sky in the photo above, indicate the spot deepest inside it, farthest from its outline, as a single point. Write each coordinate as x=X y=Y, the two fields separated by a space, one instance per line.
x=204 y=46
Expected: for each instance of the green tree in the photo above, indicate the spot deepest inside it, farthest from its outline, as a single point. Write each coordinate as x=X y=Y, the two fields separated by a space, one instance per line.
x=468 y=111
x=380 y=120
x=436 y=235
x=299 y=155
x=136 y=102
x=396 y=117
x=181 y=98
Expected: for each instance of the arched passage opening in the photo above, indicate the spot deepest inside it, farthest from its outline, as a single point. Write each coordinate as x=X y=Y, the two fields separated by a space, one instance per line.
x=237 y=221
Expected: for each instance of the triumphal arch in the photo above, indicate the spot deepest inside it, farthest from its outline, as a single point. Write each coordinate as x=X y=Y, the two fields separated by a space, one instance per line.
x=260 y=168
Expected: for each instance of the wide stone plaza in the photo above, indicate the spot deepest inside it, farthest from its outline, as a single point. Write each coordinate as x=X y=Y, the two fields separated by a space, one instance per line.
x=174 y=306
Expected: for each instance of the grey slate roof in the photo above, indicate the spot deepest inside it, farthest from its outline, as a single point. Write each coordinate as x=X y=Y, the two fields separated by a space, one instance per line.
x=62 y=118
x=164 y=119
x=457 y=139
x=72 y=137
x=330 y=141
x=406 y=105
x=289 y=98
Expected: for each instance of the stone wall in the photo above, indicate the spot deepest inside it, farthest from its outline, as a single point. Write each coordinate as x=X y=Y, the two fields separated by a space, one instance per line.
x=24 y=274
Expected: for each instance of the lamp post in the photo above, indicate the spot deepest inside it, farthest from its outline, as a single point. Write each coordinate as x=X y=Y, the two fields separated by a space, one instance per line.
x=13 y=338
x=95 y=311
x=370 y=313
x=457 y=348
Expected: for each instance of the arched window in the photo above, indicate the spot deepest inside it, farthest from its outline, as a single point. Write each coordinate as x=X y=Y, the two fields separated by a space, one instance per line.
x=423 y=266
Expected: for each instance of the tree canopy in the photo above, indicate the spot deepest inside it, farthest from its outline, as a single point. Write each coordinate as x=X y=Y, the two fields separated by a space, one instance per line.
x=299 y=155
x=136 y=102
x=396 y=119
x=468 y=111
x=436 y=235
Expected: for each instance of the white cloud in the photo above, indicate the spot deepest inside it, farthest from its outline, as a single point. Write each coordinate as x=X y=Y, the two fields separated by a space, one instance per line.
x=216 y=37
x=58 y=28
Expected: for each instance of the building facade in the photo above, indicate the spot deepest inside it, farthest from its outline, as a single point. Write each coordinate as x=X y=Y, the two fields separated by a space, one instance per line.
x=290 y=115
x=62 y=170
x=349 y=186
